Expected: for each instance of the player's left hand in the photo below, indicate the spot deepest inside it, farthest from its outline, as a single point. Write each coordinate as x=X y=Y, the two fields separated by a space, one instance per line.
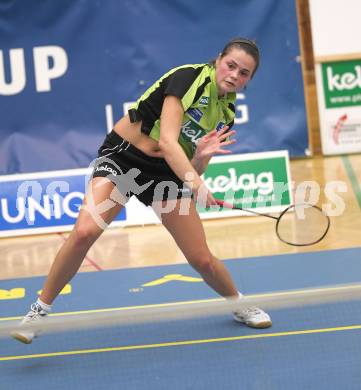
x=215 y=142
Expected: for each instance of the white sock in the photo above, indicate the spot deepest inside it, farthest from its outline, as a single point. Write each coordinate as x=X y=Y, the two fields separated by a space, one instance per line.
x=44 y=306
x=236 y=299
x=233 y=298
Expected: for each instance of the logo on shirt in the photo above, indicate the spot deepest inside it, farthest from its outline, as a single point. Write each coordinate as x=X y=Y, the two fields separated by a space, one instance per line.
x=195 y=113
x=191 y=132
x=204 y=100
x=220 y=126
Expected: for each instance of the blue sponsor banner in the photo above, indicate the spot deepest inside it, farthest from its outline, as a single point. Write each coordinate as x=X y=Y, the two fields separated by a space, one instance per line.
x=42 y=203
x=69 y=68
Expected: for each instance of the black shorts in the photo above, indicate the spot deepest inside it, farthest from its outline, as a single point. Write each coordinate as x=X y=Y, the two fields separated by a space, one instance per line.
x=150 y=179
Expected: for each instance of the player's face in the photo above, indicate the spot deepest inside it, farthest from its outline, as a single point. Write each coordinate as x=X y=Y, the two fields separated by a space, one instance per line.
x=234 y=70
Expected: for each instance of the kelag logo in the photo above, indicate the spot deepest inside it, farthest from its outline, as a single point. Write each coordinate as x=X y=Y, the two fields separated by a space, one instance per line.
x=43 y=202
x=191 y=132
x=342 y=83
x=251 y=183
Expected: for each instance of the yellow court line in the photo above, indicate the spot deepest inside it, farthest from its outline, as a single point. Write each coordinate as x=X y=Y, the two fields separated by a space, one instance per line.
x=180 y=343
x=169 y=304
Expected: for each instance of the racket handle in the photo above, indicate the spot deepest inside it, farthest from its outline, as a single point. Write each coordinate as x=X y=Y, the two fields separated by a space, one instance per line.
x=224 y=204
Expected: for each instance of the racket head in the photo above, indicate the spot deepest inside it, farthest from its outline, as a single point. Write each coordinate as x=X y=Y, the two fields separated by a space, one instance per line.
x=302 y=225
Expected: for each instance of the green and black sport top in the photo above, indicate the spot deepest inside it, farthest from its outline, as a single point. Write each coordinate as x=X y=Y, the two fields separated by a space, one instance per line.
x=204 y=110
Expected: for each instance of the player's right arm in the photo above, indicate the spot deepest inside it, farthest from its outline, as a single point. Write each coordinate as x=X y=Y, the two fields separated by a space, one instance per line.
x=170 y=126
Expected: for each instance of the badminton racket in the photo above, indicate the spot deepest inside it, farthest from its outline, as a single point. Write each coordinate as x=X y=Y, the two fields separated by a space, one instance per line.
x=297 y=225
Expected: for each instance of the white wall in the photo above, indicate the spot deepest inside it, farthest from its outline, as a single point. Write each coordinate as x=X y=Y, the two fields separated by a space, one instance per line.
x=336 y=26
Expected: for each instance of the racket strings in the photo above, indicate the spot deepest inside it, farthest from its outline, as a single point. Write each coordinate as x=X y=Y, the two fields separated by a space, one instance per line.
x=298 y=225
x=302 y=225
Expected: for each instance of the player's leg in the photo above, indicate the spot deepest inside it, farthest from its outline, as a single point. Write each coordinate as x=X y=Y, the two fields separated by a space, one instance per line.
x=97 y=211
x=188 y=232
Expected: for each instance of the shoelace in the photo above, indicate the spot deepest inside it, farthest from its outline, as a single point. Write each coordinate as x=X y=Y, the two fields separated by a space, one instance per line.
x=250 y=311
x=35 y=310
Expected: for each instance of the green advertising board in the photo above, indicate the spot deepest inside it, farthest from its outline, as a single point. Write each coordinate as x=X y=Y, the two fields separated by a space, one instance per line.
x=253 y=181
x=342 y=83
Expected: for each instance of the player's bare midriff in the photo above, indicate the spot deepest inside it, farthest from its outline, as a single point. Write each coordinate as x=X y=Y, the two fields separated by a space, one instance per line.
x=131 y=133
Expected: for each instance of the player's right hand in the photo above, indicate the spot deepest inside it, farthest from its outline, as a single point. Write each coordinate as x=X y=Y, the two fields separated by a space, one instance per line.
x=204 y=197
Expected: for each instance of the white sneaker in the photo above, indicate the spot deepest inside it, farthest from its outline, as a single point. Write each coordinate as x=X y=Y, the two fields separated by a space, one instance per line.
x=35 y=315
x=253 y=317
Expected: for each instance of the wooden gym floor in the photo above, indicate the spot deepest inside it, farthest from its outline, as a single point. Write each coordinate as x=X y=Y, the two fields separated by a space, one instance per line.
x=238 y=237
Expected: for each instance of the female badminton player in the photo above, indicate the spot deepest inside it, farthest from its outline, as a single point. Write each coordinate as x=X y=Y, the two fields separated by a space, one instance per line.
x=158 y=152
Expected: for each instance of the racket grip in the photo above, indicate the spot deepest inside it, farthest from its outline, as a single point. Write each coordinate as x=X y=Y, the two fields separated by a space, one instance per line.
x=224 y=204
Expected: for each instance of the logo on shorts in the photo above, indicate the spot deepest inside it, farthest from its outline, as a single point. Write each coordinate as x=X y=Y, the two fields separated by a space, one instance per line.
x=106 y=169
x=204 y=100
x=195 y=113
